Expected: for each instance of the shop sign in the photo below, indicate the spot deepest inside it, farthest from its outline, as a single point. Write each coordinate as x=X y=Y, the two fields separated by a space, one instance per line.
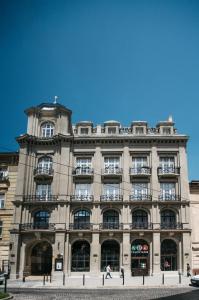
x=59 y=264
x=140 y=249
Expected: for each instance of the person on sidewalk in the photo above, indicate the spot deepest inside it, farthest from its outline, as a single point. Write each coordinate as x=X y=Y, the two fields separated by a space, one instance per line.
x=188 y=270
x=122 y=272
x=108 y=272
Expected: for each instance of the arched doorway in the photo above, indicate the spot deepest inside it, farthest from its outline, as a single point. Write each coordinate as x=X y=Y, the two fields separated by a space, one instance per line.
x=80 y=257
x=168 y=255
x=110 y=255
x=41 y=259
x=140 y=258
x=111 y=219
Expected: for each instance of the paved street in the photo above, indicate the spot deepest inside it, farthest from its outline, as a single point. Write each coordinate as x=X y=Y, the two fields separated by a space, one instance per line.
x=109 y=294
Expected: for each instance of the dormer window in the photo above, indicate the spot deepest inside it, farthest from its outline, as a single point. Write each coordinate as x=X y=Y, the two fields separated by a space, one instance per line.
x=111 y=130
x=166 y=130
x=84 y=131
x=47 y=129
x=139 y=130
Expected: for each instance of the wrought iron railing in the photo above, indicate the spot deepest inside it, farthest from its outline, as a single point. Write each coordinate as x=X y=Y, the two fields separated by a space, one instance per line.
x=40 y=198
x=140 y=171
x=171 y=225
x=169 y=197
x=37 y=226
x=43 y=171
x=112 y=171
x=111 y=225
x=168 y=170
x=81 y=226
x=83 y=171
x=142 y=197
x=116 y=197
x=141 y=225
x=81 y=197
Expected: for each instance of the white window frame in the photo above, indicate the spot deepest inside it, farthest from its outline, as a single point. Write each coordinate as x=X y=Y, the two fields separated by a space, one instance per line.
x=111 y=162
x=43 y=191
x=140 y=189
x=45 y=163
x=84 y=130
x=82 y=189
x=139 y=162
x=139 y=130
x=47 y=129
x=111 y=189
x=167 y=189
x=83 y=162
x=112 y=130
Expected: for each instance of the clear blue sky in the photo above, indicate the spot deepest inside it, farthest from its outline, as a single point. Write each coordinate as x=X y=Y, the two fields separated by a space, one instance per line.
x=111 y=59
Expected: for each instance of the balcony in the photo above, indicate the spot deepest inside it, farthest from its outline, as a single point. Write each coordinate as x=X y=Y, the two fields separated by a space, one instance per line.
x=171 y=225
x=41 y=172
x=169 y=197
x=37 y=226
x=141 y=225
x=4 y=176
x=81 y=226
x=140 y=172
x=81 y=198
x=112 y=172
x=142 y=197
x=40 y=198
x=83 y=172
x=111 y=226
x=168 y=171
x=111 y=198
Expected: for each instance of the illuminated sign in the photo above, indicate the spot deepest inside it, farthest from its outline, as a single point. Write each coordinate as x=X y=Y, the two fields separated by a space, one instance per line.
x=140 y=249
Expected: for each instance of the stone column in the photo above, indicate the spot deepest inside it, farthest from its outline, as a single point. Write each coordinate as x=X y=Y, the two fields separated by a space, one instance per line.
x=186 y=251
x=156 y=253
x=126 y=254
x=97 y=166
x=95 y=255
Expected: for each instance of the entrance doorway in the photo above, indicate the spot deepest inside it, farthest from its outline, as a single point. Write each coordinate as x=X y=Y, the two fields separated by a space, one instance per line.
x=140 y=263
x=110 y=255
x=41 y=259
x=80 y=257
x=168 y=255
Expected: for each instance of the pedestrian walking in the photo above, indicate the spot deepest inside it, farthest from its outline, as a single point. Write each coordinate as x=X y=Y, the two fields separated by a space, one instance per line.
x=188 y=270
x=122 y=272
x=108 y=272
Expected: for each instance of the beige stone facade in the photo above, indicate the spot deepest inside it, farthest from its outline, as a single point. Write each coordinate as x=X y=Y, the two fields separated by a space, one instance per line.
x=8 y=177
x=88 y=196
x=194 y=211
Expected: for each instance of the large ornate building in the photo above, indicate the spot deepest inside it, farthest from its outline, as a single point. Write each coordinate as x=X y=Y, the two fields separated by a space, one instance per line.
x=88 y=196
x=8 y=177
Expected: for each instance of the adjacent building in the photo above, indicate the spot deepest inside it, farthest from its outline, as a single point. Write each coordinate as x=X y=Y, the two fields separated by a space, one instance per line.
x=88 y=196
x=8 y=177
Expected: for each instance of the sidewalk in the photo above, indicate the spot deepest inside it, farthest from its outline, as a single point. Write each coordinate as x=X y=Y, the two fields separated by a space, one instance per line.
x=97 y=282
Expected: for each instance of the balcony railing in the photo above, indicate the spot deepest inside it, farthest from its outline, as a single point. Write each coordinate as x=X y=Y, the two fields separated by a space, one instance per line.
x=168 y=171
x=83 y=171
x=169 y=197
x=171 y=225
x=3 y=176
x=116 y=197
x=142 y=197
x=37 y=226
x=141 y=225
x=111 y=225
x=81 y=198
x=112 y=171
x=40 y=198
x=140 y=171
x=81 y=226
x=42 y=171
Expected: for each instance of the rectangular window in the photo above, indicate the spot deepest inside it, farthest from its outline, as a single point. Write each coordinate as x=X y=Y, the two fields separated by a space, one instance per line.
x=111 y=189
x=3 y=173
x=82 y=189
x=2 y=201
x=111 y=162
x=168 y=191
x=167 y=162
x=84 y=130
x=111 y=130
x=166 y=130
x=83 y=162
x=139 y=130
x=43 y=191
x=139 y=162
x=1 y=228
x=140 y=189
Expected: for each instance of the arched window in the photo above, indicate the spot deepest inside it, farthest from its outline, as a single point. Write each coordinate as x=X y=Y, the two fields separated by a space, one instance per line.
x=82 y=219
x=41 y=219
x=139 y=219
x=47 y=129
x=111 y=219
x=80 y=257
x=45 y=164
x=168 y=219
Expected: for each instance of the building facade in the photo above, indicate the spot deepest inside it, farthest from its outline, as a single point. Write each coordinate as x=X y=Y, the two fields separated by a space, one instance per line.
x=88 y=196
x=8 y=177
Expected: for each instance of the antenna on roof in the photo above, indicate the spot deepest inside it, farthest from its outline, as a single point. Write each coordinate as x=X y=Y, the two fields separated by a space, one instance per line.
x=55 y=101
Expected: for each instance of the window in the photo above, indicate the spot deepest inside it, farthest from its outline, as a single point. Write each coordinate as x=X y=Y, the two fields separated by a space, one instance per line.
x=82 y=219
x=41 y=219
x=84 y=130
x=43 y=191
x=83 y=162
x=47 y=129
x=3 y=173
x=167 y=162
x=111 y=130
x=139 y=162
x=111 y=163
x=166 y=130
x=82 y=189
x=111 y=189
x=2 y=201
x=111 y=219
x=1 y=228
x=45 y=164
x=139 y=130
x=168 y=219
x=140 y=189
x=139 y=219
x=167 y=191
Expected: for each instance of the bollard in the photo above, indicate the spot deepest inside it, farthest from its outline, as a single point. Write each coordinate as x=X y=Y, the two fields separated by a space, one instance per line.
x=24 y=279
x=163 y=278
x=103 y=279
x=5 y=283
x=143 y=280
x=179 y=277
x=123 y=278
x=195 y=274
x=47 y=277
x=63 y=278
x=50 y=277
x=83 y=279
x=44 y=280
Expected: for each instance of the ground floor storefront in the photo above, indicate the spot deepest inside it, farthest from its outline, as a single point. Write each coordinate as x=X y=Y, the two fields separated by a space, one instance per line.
x=77 y=252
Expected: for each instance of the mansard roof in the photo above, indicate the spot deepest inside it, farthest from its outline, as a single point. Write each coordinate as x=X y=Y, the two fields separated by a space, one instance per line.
x=41 y=106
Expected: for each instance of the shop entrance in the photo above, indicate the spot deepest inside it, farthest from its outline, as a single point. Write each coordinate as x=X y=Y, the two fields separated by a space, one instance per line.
x=41 y=259
x=168 y=255
x=140 y=263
